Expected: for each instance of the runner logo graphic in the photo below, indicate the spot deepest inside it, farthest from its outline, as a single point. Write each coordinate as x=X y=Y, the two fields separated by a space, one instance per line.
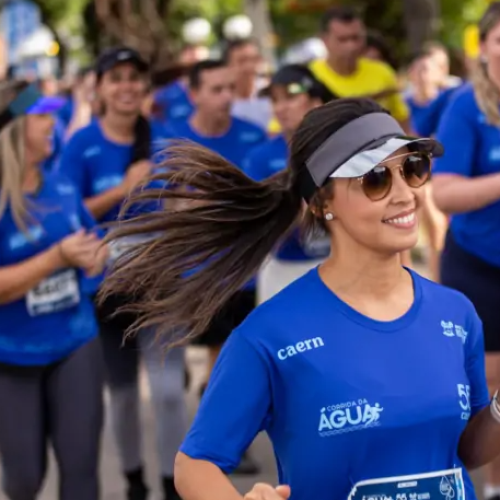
x=451 y=330
x=348 y=417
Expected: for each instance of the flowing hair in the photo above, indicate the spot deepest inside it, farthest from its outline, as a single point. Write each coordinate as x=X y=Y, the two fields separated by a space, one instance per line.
x=486 y=91
x=215 y=227
x=12 y=162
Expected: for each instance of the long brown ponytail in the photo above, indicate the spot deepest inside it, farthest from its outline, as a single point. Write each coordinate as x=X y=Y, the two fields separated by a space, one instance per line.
x=215 y=227
x=205 y=252
x=486 y=92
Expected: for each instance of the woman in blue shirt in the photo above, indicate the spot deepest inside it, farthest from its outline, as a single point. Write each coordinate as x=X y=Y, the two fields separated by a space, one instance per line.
x=106 y=160
x=368 y=378
x=294 y=91
x=50 y=359
x=467 y=187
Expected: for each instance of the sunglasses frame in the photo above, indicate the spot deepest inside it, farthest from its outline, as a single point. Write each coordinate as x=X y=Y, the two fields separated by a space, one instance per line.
x=400 y=167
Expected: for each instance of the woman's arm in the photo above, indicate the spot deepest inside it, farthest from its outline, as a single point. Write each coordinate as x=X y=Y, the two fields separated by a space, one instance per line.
x=480 y=442
x=102 y=203
x=458 y=194
x=18 y=279
x=202 y=480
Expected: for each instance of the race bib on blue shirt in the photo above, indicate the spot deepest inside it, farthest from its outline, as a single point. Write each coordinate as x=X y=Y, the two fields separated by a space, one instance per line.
x=441 y=485
x=53 y=294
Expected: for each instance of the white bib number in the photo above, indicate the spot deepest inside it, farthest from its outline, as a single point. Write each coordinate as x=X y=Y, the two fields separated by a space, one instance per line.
x=440 y=485
x=55 y=293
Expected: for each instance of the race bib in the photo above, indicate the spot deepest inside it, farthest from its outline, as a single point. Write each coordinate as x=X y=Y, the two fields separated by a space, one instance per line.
x=55 y=293
x=441 y=485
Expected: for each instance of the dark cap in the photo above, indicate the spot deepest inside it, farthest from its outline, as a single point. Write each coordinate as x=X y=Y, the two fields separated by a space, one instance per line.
x=110 y=58
x=298 y=79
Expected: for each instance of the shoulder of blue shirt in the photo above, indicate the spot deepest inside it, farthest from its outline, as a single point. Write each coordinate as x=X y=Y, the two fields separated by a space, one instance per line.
x=299 y=295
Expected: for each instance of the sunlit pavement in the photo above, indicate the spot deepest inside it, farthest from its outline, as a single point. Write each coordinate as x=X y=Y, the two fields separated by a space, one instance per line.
x=112 y=484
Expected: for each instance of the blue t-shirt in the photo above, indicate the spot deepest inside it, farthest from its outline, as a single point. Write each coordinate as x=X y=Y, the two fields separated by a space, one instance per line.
x=343 y=397
x=95 y=164
x=57 y=316
x=265 y=161
x=425 y=118
x=234 y=145
x=174 y=102
x=472 y=148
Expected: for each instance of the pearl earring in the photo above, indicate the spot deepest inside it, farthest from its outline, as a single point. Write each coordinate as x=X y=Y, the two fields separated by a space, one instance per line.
x=329 y=216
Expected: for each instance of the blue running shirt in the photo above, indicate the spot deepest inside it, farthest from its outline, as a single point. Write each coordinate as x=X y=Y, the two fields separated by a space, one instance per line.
x=345 y=398
x=472 y=148
x=57 y=316
x=95 y=164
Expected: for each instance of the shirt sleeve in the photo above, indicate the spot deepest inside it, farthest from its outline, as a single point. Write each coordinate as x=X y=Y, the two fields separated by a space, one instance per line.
x=73 y=166
x=456 y=127
x=234 y=408
x=475 y=366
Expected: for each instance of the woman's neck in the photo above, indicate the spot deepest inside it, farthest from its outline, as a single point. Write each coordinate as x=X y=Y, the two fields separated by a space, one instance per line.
x=118 y=128
x=32 y=177
x=208 y=126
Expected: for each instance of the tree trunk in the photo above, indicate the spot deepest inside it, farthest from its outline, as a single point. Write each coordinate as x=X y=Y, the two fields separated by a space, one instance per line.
x=422 y=22
x=140 y=25
x=258 y=12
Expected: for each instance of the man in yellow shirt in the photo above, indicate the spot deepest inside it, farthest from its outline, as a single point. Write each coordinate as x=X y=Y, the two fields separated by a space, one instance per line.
x=346 y=73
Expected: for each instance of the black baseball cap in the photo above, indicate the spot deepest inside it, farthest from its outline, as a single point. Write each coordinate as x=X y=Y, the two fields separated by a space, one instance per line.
x=298 y=79
x=112 y=57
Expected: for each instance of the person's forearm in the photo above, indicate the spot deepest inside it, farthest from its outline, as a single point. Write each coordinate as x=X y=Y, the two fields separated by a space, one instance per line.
x=480 y=442
x=18 y=279
x=81 y=118
x=454 y=194
x=101 y=204
x=202 y=480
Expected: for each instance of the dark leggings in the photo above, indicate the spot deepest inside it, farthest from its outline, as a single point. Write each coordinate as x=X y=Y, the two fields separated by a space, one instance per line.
x=61 y=403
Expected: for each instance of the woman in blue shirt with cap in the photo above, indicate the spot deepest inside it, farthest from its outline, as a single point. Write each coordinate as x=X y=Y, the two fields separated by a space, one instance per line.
x=467 y=187
x=368 y=378
x=106 y=160
x=293 y=91
x=50 y=359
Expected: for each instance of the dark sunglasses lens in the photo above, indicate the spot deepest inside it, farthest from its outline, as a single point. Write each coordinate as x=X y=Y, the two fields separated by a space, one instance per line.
x=377 y=183
x=417 y=170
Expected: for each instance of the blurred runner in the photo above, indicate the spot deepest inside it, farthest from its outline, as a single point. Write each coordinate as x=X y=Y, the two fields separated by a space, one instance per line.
x=244 y=59
x=81 y=106
x=212 y=92
x=466 y=185
x=294 y=92
x=347 y=73
x=173 y=100
x=50 y=358
x=107 y=160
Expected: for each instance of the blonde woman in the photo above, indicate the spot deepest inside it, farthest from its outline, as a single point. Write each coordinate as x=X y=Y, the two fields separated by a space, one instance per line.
x=50 y=362
x=466 y=186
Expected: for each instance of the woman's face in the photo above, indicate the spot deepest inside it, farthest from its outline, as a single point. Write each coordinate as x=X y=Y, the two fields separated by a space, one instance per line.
x=122 y=89
x=387 y=226
x=39 y=136
x=290 y=109
x=490 y=51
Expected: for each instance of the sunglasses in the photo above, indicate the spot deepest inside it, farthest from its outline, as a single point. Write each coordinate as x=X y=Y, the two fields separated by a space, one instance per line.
x=415 y=169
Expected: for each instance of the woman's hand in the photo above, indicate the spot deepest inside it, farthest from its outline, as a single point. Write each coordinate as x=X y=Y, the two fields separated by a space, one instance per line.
x=99 y=263
x=262 y=491
x=80 y=249
x=135 y=175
